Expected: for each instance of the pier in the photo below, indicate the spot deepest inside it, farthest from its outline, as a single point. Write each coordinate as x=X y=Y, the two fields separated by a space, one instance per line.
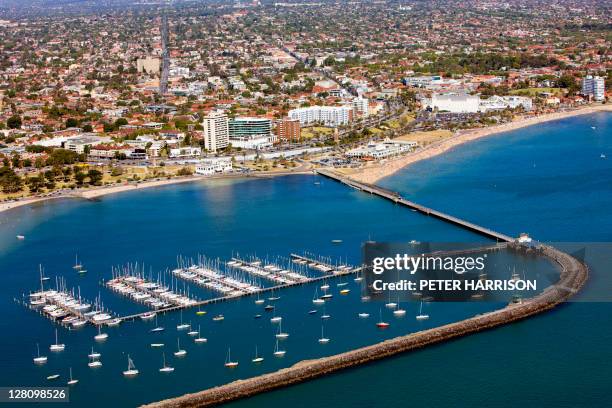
x=572 y=277
x=398 y=199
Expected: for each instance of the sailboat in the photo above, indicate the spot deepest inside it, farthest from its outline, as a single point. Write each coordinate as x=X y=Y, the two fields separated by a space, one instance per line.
x=77 y=265
x=390 y=304
x=257 y=359
x=179 y=352
x=181 y=325
x=280 y=335
x=345 y=291
x=131 y=370
x=277 y=351
x=200 y=339
x=94 y=354
x=57 y=346
x=364 y=315
x=422 y=316
x=192 y=332
x=165 y=368
x=72 y=381
x=275 y=318
x=94 y=363
x=316 y=299
x=39 y=359
x=100 y=336
x=515 y=276
x=53 y=377
x=228 y=361
x=399 y=312
x=157 y=328
x=382 y=324
x=325 y=316
x=200 y=312
x=323 y=339
x=259 y=301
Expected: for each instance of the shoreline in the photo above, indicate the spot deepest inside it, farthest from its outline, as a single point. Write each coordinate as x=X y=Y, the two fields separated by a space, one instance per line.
x=92 y=193
x=378 y=171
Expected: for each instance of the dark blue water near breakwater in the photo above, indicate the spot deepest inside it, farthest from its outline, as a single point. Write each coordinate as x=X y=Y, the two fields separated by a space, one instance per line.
x=547 y=180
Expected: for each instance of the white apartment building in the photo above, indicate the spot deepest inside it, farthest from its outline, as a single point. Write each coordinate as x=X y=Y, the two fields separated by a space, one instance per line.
x=361 y=105
x=332 y=116
x=216 y=131
x=208 y=167
x=594 y=86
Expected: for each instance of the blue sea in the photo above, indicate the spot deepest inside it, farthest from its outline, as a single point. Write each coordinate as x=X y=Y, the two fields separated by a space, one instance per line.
x=547 y=180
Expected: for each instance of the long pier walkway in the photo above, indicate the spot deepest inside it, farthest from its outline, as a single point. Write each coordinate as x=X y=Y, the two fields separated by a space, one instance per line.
x=396 y=198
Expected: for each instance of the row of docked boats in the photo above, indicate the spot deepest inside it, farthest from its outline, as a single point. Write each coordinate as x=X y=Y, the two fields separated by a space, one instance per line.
x=270 y=272
x=211 y=279
x=147 y=292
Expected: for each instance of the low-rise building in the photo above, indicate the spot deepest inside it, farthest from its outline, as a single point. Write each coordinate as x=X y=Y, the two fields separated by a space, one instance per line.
x=184 y=152
x=217 y=165
x=377 y=151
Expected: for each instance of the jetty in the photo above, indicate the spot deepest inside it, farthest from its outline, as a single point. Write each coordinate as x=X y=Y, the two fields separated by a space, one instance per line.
x=398 y=199
x=572 y=277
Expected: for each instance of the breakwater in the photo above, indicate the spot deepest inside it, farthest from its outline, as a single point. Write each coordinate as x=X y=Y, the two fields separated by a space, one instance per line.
x=572 y=276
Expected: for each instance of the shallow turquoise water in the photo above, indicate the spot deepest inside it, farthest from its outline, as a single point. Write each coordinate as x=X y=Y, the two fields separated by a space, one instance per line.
x=558 y=359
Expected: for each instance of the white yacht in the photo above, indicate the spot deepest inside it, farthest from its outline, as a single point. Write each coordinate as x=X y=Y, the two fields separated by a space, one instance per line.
x=57 y=346
x=39 y=359
x=179 y=352
x=131 y=370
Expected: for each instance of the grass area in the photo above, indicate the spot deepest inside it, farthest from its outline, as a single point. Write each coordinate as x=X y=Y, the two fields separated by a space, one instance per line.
x=425 y=138
x=532 y=92
x=314 y=131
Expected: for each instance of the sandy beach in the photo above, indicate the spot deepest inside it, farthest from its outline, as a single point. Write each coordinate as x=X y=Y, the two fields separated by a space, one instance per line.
x=376 y=171
x=96 y=192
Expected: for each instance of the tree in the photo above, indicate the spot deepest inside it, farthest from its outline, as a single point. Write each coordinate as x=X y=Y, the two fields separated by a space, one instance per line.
x=79 y=177
x=71 y=122
x=95 y=177
x=14 y=122
x=120 y=122
x=10 y=182
x=36 y=183
x=87 y=128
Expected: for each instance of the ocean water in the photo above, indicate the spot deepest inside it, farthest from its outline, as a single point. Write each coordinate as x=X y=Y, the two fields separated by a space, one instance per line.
x=547 y=180
x=269 y=218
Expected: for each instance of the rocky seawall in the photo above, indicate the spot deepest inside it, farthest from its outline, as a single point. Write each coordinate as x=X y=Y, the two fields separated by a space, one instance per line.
x=573 y=275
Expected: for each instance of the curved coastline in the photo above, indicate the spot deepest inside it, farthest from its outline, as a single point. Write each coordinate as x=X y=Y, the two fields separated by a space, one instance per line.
x=92 y=193
x=377 y=171
x=573 y=275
